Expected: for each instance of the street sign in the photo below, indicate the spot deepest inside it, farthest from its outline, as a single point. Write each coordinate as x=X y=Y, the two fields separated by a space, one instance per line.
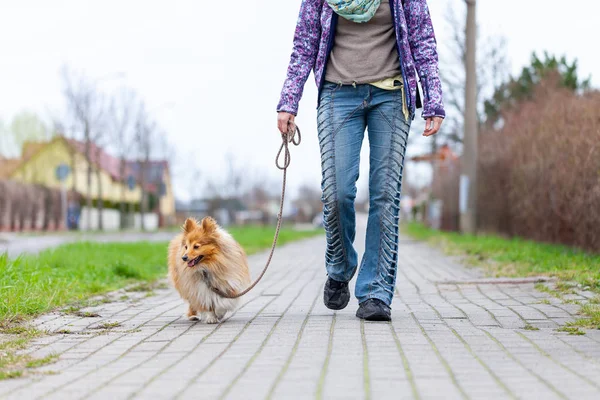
x=131 y=182
x=62 y=171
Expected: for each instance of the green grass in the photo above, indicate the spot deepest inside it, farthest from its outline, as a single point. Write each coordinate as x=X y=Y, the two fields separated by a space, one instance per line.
x=591 y=320
x=107 y=325
x=517 y=257
x=530 y=327
x=13 y=364
x=86 y=314
x=571 y=330
x=38 y=362
x=72 y=273
x=255 y=238
x=31 y=285
x=68 y=276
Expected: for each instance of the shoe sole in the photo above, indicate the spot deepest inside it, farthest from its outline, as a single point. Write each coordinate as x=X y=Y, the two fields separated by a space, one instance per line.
x=375 y=318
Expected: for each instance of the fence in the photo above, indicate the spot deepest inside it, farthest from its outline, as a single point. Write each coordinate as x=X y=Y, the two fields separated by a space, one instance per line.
x=29 y=207
x=111 y=220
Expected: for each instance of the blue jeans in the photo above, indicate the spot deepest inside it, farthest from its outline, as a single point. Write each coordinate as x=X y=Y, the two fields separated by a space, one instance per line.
x=344 y=113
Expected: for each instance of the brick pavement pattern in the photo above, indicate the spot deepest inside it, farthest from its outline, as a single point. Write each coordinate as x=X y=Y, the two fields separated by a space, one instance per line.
x=453 y=335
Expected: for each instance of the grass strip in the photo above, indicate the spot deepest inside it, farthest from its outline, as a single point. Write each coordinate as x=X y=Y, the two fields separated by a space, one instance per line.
x=31 y=285
x=73 y=273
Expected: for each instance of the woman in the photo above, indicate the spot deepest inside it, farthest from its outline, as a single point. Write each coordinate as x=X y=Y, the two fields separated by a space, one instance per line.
x=364 y=54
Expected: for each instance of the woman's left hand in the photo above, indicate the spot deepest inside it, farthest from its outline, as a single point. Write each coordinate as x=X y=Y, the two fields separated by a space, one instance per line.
x=432 y=125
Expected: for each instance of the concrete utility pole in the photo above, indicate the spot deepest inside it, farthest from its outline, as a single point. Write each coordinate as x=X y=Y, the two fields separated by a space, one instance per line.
x=468 y=178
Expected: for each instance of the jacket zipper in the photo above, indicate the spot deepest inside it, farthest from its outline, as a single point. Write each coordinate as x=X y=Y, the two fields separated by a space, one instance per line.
x=393 y=9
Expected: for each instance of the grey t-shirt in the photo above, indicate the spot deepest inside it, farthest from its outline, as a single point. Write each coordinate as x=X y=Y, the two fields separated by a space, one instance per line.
x=364 y=53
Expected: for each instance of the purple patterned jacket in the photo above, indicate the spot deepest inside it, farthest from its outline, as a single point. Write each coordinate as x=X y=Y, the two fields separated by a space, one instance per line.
x=415 y=41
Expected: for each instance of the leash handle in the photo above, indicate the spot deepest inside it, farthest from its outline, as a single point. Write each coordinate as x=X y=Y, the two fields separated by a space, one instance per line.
x=293 y=136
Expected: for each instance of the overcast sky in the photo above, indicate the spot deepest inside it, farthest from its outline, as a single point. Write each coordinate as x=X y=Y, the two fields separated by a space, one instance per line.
x=212 y=70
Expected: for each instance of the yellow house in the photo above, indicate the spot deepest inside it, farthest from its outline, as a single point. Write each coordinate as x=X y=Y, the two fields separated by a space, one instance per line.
x=158 y=182
x=40 y=161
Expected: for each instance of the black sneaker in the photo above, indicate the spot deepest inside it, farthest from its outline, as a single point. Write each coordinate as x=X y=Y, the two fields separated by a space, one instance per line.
x=336 y=294
x=374 y=310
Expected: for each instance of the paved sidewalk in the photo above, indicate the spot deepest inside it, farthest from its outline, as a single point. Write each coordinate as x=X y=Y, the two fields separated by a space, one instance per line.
x=453 y=336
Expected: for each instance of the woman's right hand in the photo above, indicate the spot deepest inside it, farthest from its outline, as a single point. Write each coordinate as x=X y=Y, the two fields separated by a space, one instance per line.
x=283 y=120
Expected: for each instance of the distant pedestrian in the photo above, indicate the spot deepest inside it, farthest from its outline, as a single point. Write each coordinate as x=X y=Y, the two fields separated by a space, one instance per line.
x=364 y=54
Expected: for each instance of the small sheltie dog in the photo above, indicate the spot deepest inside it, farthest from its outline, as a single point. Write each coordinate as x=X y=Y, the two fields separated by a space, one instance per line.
x=202 y=257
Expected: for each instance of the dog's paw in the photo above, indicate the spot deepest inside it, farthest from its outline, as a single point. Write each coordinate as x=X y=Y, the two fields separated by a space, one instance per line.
x=211 y=319
x=193 y=317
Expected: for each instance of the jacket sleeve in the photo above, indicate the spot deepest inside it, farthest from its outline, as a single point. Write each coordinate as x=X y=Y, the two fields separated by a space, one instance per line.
x=304 y=55
x=424 y=49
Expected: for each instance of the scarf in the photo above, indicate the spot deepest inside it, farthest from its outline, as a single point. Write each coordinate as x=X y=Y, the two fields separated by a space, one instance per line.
x=358 y=11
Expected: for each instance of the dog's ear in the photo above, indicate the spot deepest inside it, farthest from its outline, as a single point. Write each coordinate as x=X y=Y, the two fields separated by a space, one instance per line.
x=209 y=225
x=189 y=225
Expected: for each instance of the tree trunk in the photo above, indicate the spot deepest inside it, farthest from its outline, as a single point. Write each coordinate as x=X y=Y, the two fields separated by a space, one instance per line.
x=122 y=210
x=100 y=202
x=143 y=209
x=144 y=204
x=88 y=199
x=47 y=207
x=57 y=212
x=73 y=169
x=131 y=213
x=34 y=210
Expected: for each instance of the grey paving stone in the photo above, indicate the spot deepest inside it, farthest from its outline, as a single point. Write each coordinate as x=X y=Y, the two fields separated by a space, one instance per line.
x=452 y=335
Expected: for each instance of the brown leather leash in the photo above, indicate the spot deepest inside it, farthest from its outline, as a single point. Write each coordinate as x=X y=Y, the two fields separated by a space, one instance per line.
x=292 y=136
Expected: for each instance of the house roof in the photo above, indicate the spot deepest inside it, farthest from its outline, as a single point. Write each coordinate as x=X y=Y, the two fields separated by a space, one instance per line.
x=98 y=157
x=7 y=166
x=31 y=148
x=155 y=172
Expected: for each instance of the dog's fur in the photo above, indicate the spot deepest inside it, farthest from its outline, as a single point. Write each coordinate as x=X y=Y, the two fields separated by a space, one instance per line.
x=214 y=259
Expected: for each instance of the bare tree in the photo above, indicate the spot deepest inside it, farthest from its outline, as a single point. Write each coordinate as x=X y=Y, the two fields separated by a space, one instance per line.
x=308 y=201
x=122 y=125
x=492 y=70
x=27 y=126
x=234 y=178
x=100 y=201
x=145 y=132
x=60 y=126
x=164 y=152
x=232 y=184
x=86 y=107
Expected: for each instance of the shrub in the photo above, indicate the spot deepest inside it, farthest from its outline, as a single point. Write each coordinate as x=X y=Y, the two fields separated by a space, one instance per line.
x=539 y=175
